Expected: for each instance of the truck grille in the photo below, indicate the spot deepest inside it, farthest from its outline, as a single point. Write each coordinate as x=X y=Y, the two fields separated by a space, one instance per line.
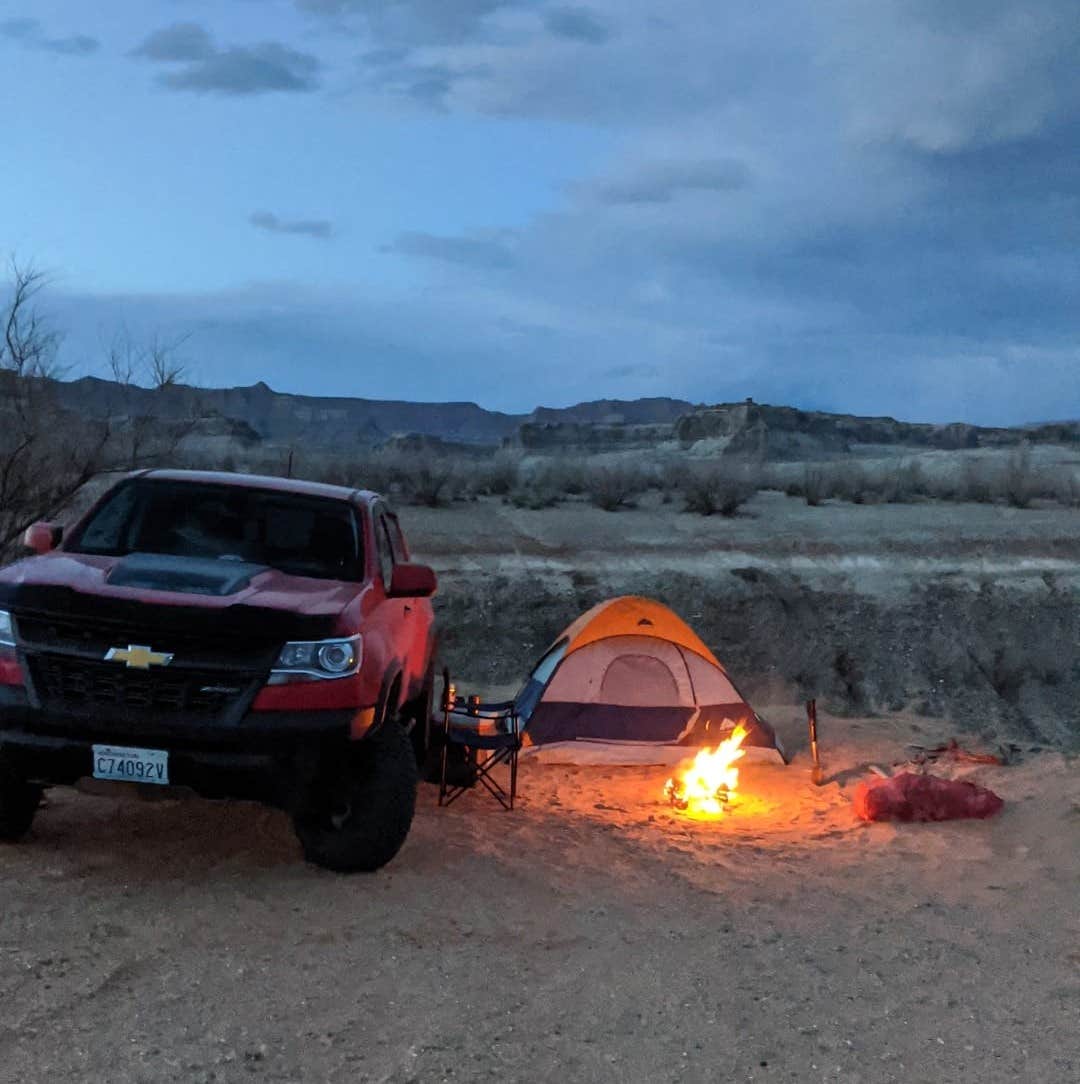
x=85 y=686
x=202 y=649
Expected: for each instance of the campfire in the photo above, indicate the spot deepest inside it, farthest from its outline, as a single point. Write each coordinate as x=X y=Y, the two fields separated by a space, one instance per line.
x=708 y=785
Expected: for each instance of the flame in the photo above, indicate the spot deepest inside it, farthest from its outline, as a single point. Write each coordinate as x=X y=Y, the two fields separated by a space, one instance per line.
x=711 y=780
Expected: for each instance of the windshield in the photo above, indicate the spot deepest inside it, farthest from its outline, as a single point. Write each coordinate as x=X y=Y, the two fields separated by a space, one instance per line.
x=300 y=535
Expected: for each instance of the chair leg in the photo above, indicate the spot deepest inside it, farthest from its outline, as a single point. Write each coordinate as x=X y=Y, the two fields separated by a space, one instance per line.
x=484 y=777
x=442 y=773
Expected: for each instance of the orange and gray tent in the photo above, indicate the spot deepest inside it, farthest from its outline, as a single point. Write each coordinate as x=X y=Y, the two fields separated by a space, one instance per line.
x=630 y=681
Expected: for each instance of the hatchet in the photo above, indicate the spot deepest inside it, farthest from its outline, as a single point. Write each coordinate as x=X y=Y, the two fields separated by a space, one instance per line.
x=817 y=775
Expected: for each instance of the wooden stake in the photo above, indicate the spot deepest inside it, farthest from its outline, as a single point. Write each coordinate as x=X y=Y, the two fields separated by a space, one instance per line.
x=817 y=775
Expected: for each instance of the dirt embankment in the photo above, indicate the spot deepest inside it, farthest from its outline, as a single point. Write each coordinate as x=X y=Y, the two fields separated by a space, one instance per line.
x=883 y=610
x=999 y=661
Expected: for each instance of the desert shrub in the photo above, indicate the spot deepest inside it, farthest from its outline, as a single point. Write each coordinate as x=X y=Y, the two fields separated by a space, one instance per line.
x=568 y=476
x=774 y=476
x=976 y=483
x=534 y=495
x=718 y=488
x=849 y=482
x=540 y=486
x=615 y=486
x=670 y=474
x=1018 y=480
x=422 y=478
x=860 y=484
x=814 y=484
x=333 y=470
x=496 y=476
x=902 y=483
x=1067 y=490
x=425 y=479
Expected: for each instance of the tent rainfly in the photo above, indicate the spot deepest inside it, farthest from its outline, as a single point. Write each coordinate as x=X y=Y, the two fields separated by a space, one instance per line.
x=630 y=682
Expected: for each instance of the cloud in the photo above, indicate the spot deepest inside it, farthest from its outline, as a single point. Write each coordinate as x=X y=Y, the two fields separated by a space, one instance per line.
x=481 y=252
x=196 y=64
x=425 y=84
x=630 y=369
x=523 y=59
x=927 y=76
x=179 y=42
x=30 y=33
x=415 y=22
x=307 y=227
x=944 y=78
x=660 y=182
x=577 y=24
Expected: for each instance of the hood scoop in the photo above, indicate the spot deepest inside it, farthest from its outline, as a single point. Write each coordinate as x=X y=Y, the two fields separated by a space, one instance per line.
x=183 y=575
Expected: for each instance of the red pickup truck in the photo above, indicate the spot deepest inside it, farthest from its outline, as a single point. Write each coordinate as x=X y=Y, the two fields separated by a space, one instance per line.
x=241 y=636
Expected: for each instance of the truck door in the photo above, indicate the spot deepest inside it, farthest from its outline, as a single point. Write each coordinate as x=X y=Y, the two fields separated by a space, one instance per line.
x=422 y=616
x=403 y=620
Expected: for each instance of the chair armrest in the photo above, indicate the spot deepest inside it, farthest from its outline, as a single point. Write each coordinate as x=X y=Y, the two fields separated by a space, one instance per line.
x=504 y=723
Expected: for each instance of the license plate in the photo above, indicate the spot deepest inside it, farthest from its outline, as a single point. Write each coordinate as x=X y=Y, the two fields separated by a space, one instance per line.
x=131 y=765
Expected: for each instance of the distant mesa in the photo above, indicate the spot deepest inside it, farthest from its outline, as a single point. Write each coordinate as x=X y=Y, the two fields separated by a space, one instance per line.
x=258 y=414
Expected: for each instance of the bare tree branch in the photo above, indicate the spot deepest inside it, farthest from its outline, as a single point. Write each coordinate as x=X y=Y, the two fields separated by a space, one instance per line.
x=166 y=370
x=29 y=347
x=48 y=453
x=123 y=357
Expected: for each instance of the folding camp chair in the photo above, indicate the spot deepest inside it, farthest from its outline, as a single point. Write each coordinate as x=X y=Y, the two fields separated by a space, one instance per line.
x=488 y=736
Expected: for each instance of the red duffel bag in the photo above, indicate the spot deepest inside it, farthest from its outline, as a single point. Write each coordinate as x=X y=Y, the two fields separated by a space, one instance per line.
x=910 y=797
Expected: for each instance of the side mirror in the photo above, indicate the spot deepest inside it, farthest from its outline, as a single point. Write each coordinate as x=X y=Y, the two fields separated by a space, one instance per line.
x=412 y=581
x=43 y=537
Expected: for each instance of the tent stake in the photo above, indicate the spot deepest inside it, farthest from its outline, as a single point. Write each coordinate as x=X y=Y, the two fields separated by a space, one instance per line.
x=817 y=776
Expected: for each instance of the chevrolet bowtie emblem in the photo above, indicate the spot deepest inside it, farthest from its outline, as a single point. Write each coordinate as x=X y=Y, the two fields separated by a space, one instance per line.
x=138 y=657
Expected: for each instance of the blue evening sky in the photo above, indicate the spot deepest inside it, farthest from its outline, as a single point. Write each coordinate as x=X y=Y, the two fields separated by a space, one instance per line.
x=864 y=205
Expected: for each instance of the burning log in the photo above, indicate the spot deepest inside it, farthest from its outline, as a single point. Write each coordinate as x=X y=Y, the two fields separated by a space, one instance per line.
x=709 y=784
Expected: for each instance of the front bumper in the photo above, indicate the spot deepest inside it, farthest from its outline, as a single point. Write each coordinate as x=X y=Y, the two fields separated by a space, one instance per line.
x=267 y=756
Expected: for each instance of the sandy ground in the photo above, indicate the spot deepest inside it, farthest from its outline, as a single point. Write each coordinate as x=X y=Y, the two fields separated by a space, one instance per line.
x=593 y=934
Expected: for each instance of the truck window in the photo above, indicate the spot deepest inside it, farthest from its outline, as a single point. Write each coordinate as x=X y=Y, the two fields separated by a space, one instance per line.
x=397 y=539
x=295 y=533
x=384 y=549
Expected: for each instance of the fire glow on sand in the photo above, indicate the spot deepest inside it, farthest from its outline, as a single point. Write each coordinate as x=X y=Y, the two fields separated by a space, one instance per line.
x=707 y=787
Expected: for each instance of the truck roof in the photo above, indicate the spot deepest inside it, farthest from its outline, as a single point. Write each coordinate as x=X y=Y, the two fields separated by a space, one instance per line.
x=261 y=481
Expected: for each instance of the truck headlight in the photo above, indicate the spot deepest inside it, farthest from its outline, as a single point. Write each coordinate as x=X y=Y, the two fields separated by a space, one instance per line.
x=7 y=630
x=312 y=660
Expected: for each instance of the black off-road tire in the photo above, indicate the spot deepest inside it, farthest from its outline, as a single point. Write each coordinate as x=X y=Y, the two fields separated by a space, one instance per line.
x=358 y=813
x=19 y=801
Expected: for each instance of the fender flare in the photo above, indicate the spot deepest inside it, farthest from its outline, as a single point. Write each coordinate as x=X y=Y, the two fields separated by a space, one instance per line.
x=392 y=675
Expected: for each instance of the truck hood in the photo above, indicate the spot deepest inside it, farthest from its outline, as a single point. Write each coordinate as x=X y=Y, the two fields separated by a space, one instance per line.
x=71 y=581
